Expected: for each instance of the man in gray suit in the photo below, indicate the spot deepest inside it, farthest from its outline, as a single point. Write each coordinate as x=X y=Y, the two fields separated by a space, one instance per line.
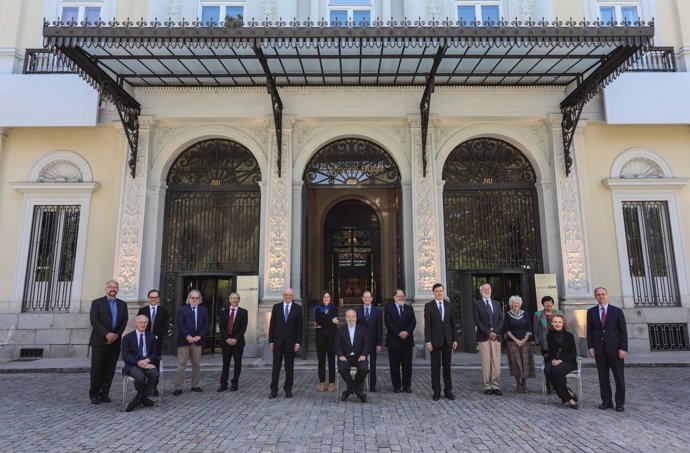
x=488 y=318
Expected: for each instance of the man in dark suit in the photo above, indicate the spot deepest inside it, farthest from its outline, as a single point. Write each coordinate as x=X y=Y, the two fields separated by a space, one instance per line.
x=352 y=347
x=232 y=324
x=439 y=336
x=158 y=317
x=192 y=326
x=400 y=321
x=139 y=352
x=284 y=338
x=109 y=318
x=607 y=341
x=371 y=318
x=488 y=319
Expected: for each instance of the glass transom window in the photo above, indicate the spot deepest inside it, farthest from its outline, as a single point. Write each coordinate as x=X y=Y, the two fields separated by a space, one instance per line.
x=78 y=12
x=213 y=13
x=618 y=13
x=358 y=12
x=482 y=12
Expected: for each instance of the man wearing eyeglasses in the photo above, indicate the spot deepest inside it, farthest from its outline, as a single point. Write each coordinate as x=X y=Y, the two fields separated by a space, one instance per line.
x=192 y=325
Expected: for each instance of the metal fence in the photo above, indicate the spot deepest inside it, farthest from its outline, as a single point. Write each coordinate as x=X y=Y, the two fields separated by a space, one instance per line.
x=656 y=59
x=41 y=61
x=668 y=337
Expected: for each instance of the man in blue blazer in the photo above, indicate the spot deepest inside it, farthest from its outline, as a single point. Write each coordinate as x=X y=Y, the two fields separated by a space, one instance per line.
x=192 y=326
x=140 y=354
x=352 y=347
x=232 y=324
x=109 y=318
x=488 y=319
x=607 y=341
x=400 y=321
x=371 y=318
x=284 y=339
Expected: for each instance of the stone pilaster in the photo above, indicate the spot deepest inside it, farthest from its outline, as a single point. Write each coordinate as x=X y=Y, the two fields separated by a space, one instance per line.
x=131 y=219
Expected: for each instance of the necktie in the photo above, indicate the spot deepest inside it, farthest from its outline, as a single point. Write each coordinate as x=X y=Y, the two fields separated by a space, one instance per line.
x=153 y=317
x=490 y=312
x=113 y=311
x=400 y=310
x=141 y=345
x=231 y=320
x=195 y=324
x=603 y=316
x=366 y=313
x=287 y=311
x=440 y=309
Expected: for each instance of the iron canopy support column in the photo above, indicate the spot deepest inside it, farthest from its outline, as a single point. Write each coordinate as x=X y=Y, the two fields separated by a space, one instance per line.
x=572 y=106
x=425 y=105
x=276 y=104
x=127 y=107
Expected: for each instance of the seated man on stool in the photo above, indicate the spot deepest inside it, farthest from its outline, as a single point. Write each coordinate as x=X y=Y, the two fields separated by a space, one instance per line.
x=352 y=348
x=140 y=354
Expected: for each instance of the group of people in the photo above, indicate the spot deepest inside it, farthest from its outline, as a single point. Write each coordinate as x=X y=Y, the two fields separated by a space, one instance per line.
x=357 y=343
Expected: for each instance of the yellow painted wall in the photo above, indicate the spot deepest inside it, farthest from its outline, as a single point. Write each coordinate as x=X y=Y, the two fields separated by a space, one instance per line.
x=103 y=148
x=602 y=144
x=565 y=9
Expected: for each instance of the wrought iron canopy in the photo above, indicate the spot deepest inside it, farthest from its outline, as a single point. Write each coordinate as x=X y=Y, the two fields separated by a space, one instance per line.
x=116 y=56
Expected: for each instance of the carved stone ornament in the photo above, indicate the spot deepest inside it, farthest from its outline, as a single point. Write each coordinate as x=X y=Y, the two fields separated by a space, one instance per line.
x=572 y=229
x=60 y=170
x=278 y=228
x=425 y=224
x=641 y=168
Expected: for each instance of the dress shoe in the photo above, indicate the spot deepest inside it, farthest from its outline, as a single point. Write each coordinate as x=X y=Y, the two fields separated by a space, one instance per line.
x=620 y=408
x=156 y=392
x=436 y=397
x=288 y=394
x=132 y=405
x=574 y=405
x=407 y=390
x=362 y=397
x=345 y=395
x=197 y=389
x=604 y=406
x=372 y=389
x=497 y=392
x=449 y=395
x=95 y=400
x=147 y=402
x=233 y=388
x=105 y=399
x=222 y=388
x=272 y=395
x=177 y=392
x=331 y=387
x=396 y=389
x=488 y=392
x=573 y=395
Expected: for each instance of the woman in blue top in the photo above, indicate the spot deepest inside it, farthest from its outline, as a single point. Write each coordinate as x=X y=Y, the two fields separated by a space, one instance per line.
x=326 y=323
x=517 y=328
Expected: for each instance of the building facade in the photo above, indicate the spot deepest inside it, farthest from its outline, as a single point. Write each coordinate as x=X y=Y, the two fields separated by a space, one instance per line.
x=174 y=152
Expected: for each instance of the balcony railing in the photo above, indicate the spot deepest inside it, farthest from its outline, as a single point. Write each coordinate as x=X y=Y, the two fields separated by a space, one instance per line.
x=41 y=61
x=656 y=59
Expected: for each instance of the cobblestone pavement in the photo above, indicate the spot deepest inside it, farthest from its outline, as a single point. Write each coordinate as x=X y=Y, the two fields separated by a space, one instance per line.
x=51 y=412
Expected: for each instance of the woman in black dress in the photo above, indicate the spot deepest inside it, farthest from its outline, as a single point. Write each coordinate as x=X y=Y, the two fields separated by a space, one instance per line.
x=561 y=359
x=326 y=324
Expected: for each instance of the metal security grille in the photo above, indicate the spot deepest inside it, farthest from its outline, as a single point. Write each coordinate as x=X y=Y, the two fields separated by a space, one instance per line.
x=50 y=266
x=668 y=337
x=651 y=262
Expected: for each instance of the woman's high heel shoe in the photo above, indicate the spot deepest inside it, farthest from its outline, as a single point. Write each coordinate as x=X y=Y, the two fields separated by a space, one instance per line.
x=573 y=395
x=331 y=387
x=573 y=405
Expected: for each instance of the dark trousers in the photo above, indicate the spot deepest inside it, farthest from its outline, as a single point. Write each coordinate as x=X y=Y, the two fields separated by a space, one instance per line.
x=441 y=356
x=353 y=385
x=326 y=352
x=544 y=353
x=145 y=380
x=103 y=363
x=557 y=375
x=231 y=353
x=396 y=358
x=283 y=352
x=372 y=368
x=616 y=365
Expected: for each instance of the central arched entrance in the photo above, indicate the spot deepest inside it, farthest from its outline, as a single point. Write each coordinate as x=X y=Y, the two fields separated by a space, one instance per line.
x=352 y=240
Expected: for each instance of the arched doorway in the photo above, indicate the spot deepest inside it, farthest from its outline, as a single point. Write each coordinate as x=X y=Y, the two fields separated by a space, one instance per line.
x=351 y=241
x=491 y=226
x=211 y=227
